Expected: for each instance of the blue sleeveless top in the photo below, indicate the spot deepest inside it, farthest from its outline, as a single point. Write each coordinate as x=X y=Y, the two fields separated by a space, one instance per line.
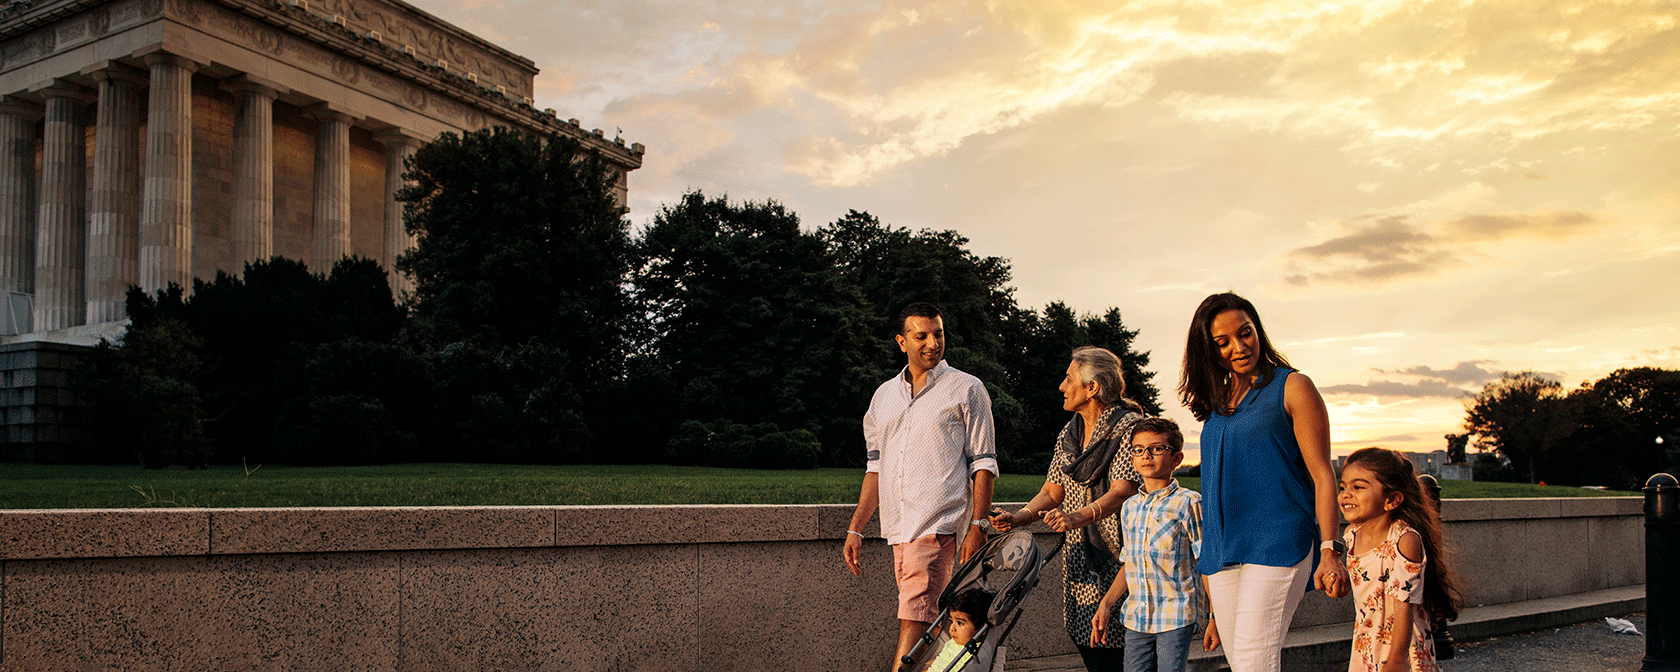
x=1257 y=497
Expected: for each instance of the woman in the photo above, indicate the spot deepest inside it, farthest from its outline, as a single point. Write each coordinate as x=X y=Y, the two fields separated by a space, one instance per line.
x=1090 y=475
x=1269 y=517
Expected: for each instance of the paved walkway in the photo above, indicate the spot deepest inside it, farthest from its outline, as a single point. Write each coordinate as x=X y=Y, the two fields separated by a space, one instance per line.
x=1559 y=634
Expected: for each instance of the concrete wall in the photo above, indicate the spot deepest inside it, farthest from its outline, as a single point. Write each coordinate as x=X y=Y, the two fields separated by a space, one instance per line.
x=580 y=588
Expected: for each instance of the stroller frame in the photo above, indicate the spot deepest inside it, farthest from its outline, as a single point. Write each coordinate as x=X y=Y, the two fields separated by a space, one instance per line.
x=1012 y=551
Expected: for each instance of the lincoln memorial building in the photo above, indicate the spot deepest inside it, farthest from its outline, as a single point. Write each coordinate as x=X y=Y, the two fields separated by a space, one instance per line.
x=149 y=142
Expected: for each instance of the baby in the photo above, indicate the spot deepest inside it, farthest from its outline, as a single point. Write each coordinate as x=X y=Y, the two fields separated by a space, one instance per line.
x=968 y=611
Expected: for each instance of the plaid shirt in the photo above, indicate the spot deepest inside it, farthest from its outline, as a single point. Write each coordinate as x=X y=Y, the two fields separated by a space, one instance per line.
x=1163 y=529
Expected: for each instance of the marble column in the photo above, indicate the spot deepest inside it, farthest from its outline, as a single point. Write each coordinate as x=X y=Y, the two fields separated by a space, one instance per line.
x=399 y=146
x=330 y=240
x=166 y=202
x=253 y=171
x=18 y=128
x=60 y=220
x=113 y=237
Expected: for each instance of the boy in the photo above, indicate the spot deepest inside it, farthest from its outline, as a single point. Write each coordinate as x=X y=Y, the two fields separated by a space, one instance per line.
x=1162 y=526
x=968 y=611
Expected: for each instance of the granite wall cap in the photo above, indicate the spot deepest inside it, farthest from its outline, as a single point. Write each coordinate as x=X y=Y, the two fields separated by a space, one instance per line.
x=341 y=529
x=103 y=533
x=1499 y=509
x=686 y=524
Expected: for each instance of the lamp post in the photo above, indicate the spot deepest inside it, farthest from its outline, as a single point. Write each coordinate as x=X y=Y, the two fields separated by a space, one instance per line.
x=1662 y=585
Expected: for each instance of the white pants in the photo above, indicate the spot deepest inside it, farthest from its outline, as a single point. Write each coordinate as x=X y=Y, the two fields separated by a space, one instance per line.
x=1252 y=606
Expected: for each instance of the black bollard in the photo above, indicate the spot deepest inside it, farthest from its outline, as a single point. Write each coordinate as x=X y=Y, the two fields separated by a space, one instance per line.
x=1443 y=635
x=1662 y=583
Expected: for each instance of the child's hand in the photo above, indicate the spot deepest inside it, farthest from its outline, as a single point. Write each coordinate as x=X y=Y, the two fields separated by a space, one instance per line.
x=1099 y=625
x=1210 y=639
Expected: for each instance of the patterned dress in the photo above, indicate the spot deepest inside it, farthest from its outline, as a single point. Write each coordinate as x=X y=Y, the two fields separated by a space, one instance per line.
x=1379 y=574
x=1089 y=576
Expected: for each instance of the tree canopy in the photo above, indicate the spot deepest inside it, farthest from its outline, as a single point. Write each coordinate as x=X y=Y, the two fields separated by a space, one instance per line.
x=541 y=330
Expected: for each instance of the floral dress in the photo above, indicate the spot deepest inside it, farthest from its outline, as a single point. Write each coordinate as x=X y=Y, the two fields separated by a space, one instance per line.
x=1379 y=574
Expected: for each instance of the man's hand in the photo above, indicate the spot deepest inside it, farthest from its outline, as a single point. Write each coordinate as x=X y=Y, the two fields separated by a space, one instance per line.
x=972 y=542
x=851 y=553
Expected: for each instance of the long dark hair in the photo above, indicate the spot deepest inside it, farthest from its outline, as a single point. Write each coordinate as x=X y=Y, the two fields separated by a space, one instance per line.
x=1204 y=384
x=1395 y=474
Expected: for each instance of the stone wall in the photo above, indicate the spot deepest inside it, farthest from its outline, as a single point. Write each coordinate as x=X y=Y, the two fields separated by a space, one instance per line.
x=581 y=588
x=40 y=417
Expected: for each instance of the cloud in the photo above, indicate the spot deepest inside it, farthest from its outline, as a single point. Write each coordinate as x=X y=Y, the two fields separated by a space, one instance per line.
x=1465 y=373
x=1458 y=382
x=1377 y=249
x=1387 y=388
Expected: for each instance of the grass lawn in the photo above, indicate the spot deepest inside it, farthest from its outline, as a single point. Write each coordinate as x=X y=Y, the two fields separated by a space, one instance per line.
x=85 y=487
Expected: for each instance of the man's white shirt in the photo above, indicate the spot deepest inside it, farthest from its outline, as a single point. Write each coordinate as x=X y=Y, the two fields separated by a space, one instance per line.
x=925 y=447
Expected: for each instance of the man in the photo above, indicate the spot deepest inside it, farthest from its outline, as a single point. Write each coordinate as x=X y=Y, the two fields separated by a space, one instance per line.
x=929 y=431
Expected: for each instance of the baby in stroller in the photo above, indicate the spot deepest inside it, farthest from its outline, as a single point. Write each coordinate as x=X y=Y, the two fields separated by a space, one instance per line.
x=979 y=607
x=967 y=611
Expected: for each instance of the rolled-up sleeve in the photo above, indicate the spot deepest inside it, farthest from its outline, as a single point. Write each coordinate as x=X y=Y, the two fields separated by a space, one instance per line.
x=872 y=441
x=982 y=437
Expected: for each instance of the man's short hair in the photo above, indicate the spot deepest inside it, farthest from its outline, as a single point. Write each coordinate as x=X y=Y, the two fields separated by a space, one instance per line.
x=918 y=309
x=1161 y=426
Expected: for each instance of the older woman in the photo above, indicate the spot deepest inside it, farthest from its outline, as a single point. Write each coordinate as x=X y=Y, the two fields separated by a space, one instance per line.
x=1090 y=475
x=1269 y=516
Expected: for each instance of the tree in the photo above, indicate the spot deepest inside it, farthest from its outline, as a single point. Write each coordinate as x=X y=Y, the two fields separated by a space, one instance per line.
x=1522 y=417
x=145 y=395
x=1649 y=398
x=893 y=267
x=747 y=320
x=522 y=249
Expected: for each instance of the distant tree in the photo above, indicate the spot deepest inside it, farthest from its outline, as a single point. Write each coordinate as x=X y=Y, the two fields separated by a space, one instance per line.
x=1649 y=398
x=250 y=326
x=893 y=267
x=1523 y=416
x=747 y=320
x=522 y=249
x=144 y=392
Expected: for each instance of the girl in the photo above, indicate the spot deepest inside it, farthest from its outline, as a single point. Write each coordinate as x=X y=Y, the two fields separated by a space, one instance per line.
x=1394 y=559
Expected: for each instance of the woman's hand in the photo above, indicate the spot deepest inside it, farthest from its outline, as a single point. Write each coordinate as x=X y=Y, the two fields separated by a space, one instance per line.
x=1063 y=522
x=1332 y=576
x=1210 y=639
x=1004 y=521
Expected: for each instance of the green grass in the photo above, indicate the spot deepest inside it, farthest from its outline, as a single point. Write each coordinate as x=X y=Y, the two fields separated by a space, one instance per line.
x=86 y=487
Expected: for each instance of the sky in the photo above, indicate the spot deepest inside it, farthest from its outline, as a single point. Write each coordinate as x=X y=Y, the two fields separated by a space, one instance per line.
x=1417 y=196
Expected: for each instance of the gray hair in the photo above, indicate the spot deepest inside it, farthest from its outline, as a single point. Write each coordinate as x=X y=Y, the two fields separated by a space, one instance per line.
x=1098 y=365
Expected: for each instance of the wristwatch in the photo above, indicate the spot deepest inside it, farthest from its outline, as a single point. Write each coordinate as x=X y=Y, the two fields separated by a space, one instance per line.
x=981 y=523
x=1334 y=545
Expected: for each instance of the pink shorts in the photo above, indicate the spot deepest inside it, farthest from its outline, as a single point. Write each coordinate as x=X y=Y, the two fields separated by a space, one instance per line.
x=923 y=567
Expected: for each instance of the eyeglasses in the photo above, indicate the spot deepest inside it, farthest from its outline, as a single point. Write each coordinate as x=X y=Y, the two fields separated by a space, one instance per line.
x=1156 y=449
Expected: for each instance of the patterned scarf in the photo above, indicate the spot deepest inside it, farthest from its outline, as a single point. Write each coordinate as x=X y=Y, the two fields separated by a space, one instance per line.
x=1090 y=467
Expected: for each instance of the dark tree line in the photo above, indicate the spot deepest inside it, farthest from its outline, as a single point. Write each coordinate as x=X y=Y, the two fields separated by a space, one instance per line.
x=1615 y=431
x=541 y=330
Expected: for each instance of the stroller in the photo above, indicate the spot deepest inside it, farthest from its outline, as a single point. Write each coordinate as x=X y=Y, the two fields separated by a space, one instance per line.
x=1007 y=566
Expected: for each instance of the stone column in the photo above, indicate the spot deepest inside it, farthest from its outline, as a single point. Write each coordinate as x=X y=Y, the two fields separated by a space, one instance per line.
x=331 y=237
x=166 y=203
x=253 y=171
x=399 y=146
x=113 y=240
x=18 y=129
x=61 y=224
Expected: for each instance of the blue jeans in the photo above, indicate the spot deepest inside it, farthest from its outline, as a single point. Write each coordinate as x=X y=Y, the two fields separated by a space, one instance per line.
x=1161 y=651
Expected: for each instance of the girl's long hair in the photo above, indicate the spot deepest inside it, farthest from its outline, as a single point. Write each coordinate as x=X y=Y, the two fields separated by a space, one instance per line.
x=1204 y=383
x=1396 y=474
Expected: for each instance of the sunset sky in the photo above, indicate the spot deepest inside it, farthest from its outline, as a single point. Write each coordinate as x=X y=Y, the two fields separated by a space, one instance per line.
x=1416 y=195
